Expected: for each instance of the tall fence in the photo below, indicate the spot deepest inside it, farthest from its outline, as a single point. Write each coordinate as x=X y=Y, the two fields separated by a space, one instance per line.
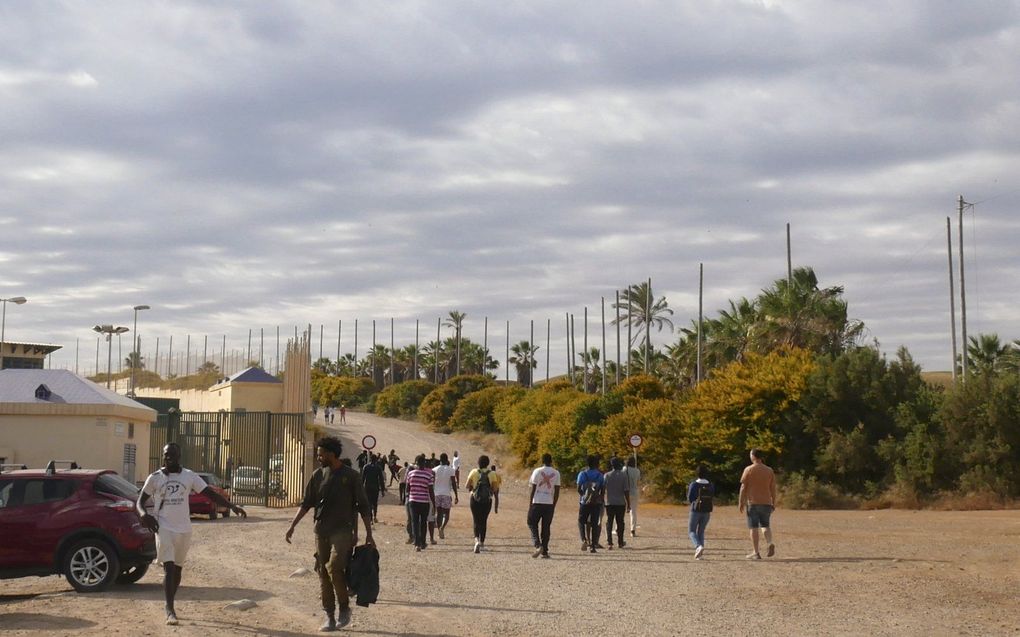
x=259 y=455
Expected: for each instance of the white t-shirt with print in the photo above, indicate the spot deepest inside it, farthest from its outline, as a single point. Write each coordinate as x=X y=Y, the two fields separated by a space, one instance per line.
x=545 y=479
x=443 y=474
x=169 y=495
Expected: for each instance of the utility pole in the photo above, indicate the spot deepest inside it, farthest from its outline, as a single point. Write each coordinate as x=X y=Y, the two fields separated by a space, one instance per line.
x=604 y=357
x=963 y=296
x=789 y=259
x=648 y=324
x=618 y=337
x=701 y=323
x=952 y=294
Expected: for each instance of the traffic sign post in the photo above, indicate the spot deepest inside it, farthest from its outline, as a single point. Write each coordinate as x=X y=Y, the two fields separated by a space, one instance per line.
x=635 y=441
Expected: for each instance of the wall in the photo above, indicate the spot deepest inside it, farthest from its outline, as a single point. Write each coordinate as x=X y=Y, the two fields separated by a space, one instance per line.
x=191 y=399
x=94 y=442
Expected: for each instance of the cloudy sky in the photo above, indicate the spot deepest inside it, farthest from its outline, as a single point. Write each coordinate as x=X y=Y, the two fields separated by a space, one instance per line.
x=246 y=165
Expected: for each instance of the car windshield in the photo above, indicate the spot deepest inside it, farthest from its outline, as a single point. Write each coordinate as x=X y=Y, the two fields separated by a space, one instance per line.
x=113 y=484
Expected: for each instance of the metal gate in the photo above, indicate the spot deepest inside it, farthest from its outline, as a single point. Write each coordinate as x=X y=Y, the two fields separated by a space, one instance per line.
x=258 y=455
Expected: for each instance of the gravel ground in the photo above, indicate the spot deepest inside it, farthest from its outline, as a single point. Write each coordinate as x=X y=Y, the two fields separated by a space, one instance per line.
x=835 y=573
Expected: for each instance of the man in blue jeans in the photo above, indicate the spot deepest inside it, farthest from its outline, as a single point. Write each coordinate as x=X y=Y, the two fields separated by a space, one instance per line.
x=700 y=494
x=590 y=485
x=758 y=497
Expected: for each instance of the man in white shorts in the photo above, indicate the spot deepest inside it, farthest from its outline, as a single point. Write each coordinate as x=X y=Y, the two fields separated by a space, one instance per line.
x=446 y=492
x=169 y=489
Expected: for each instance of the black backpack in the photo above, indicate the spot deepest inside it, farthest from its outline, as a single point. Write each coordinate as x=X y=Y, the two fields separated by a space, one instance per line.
x=483 y=490
x=703 y=503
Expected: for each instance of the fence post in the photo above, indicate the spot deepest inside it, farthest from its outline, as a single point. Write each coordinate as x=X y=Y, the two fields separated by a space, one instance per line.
x=265 y=462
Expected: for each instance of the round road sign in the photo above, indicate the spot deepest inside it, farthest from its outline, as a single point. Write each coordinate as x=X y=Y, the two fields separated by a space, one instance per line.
x=636 y=440
x=368 y=442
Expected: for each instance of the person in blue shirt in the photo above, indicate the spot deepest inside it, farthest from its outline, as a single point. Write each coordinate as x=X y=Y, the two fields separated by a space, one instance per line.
x=700 y=494
x=590 y=486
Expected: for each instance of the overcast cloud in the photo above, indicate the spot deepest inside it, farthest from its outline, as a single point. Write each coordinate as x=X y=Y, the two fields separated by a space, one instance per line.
x=246 y=165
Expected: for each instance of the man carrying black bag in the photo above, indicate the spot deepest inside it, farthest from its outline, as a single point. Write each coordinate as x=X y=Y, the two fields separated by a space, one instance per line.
x=336 y=493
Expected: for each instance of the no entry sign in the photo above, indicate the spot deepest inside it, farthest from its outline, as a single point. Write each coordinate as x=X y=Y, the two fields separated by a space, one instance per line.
x=636 y=440
x=368 y=442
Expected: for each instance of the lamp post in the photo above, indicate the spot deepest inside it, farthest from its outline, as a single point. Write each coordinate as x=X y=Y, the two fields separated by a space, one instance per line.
x=136 y=357
x=17 y=300
x=109 y=331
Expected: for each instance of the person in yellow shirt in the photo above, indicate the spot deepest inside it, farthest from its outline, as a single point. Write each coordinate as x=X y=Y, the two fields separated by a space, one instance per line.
x=483 y=484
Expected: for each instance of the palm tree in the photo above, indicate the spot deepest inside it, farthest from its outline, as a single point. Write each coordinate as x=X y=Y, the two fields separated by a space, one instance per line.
x=798 y=313
x=638 y=303
x=347 y=365
x=474 y=359
x=590 y=360
x=524 y=360
x=456 y=321
x=432 y=352
x=134 y=360
x=987 y=354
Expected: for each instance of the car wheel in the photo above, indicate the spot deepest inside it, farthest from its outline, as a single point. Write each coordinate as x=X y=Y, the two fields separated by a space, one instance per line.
x=212 y=514
x=134 y=573
x=91 y=565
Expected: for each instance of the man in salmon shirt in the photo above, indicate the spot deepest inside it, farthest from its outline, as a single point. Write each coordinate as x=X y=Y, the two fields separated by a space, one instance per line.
x=758 y=497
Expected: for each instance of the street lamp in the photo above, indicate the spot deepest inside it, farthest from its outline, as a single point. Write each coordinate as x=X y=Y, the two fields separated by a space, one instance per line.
x=17 y=300
x=109 y=330
x=136 y=357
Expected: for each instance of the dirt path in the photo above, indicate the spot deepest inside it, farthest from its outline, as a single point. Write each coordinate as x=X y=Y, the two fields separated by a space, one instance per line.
x=836 y=573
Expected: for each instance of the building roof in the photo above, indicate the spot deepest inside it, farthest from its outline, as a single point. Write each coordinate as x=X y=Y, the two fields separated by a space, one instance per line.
x=253 y=375
x=36 y=348
x=18 y=387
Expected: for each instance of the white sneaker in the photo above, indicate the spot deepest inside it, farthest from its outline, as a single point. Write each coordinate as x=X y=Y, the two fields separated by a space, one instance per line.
x=698 y=551
x=537 y=552
x=753 y=556
x=478 y=546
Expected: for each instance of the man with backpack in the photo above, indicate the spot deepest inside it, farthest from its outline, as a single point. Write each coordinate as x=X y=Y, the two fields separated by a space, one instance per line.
x=617 y=495
x=700 y=494
x=590 y=486
x=484 y=487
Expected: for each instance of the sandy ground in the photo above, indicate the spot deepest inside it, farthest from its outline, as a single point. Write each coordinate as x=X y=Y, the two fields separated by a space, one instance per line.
x=836 y=573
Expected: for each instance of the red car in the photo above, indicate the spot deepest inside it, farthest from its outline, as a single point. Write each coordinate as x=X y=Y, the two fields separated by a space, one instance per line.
x=201 y=505
x=80 y=523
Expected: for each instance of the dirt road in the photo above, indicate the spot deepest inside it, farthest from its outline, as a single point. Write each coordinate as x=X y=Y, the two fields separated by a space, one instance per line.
x=836 y=573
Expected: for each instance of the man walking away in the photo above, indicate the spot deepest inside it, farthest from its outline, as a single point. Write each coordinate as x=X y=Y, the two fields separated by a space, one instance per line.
x=545 y=493
x=446 y=493
x=373 y=478
x=634 y=476
x=336 y=494
x=590 y=486
x=758 y=496
x=700 y=493
x=392 y=461
x=343 y=414
x=402 y=482
x=421 y=495
x=617 y=501
x=484 y=487
x=456 y=467
x=170 y=488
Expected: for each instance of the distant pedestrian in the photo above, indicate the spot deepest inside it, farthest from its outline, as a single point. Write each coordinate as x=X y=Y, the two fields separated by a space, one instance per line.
x=446 y=493
x=484 y=487
x=402 y=482
x=332 y=416
x=758 y=497
x=590 y=486
x=362 y=459
x=372 y=476
x=545 y=493
x=456 y=467
x=700 y=494
x=393 y=460
x=343 y=414
x=422 y=496
x=617 y=493
x=634 y=476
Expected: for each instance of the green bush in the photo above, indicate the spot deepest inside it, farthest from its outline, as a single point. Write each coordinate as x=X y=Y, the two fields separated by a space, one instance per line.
x=402 y=399
x=341 y=390
x=474 y=412
x=437 y=408
x=807 y=492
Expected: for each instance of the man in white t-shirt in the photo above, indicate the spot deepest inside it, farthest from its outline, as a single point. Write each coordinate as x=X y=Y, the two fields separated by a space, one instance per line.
x=169 y=489
x=456 y=467
x=634 y=476
x=545 y=492
x=446 y=492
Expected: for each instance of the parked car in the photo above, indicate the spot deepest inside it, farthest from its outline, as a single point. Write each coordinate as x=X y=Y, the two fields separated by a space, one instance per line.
x=248 y=481
x=203 y=505
x=80 y=523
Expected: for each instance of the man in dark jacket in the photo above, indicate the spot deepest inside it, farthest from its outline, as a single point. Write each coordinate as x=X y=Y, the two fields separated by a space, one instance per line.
x=336 y=493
